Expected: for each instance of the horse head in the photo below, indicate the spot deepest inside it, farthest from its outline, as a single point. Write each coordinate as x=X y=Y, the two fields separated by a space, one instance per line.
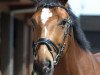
x=52 y=27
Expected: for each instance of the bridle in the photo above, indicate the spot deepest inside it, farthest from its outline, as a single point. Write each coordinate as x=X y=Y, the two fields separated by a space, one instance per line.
x=49 y=43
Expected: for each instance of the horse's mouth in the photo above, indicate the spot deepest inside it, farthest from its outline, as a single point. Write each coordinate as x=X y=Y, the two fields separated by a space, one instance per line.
x=43 y=70
x=42 y=73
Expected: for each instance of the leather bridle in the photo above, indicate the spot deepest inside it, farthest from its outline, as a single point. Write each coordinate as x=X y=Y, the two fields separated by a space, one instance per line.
x=49 y=43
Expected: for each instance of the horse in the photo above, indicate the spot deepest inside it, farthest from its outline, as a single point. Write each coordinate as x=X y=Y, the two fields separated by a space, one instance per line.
x=59 y=44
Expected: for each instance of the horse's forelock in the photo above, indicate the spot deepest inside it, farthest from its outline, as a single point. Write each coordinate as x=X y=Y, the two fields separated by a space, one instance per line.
x=50 y=2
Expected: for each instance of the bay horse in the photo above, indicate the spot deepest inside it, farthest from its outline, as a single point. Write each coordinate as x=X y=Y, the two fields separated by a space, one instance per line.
x=59 y=44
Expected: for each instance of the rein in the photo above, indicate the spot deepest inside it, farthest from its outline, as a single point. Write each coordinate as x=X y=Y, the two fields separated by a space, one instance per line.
x=49 y=43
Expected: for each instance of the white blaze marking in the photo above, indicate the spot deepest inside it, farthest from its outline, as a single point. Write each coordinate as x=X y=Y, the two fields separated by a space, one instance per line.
x=44 y=34
x=44 y=50
x=45 y=15
x=45 y=31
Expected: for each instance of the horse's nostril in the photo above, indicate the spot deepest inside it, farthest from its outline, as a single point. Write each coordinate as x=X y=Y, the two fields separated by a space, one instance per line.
x=49 y=65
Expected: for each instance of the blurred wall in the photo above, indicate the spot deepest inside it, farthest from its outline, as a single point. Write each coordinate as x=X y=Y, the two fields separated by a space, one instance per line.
x=91 y=27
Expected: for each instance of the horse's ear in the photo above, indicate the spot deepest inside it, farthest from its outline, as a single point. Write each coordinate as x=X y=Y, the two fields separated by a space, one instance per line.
x=63 y=2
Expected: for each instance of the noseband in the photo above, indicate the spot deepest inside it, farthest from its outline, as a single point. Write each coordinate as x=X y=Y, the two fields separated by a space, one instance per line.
x=49 y=43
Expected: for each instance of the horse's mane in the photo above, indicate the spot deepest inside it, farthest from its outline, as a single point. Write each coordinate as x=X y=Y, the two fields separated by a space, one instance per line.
x=78 y=32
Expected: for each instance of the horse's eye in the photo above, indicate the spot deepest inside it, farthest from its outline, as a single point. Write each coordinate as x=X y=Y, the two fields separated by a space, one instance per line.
x=63 y=22
x=31 y=22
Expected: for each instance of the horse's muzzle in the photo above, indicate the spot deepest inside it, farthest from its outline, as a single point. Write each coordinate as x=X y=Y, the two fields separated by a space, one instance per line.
x=43 y=67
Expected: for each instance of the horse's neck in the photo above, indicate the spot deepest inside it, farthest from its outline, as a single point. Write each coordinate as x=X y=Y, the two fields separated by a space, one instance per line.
x=76 y=62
